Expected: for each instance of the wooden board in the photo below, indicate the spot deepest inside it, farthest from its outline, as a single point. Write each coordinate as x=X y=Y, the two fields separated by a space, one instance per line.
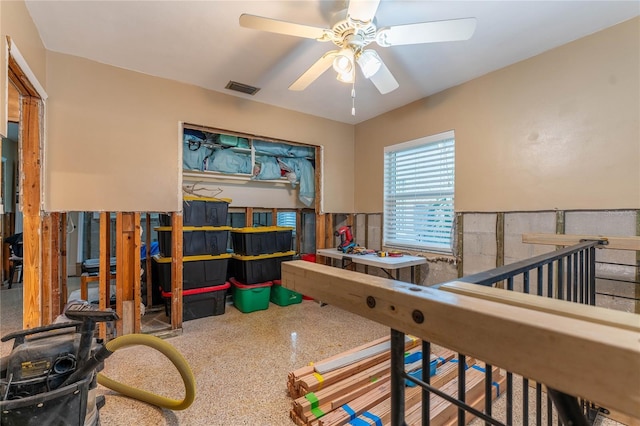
x=176 y=270
x=619 y=243
x=588 y=313
x=570 y=355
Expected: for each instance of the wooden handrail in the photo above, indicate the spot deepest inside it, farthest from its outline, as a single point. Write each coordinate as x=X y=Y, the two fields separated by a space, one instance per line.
x=595 y=361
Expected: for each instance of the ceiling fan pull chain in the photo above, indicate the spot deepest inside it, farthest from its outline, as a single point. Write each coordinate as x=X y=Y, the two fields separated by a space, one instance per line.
x=353 y=98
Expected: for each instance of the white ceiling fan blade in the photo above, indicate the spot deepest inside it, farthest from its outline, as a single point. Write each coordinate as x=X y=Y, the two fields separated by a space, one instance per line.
x=384 y=81
x=281 y=27
x=362 y=10
x=315 y=71
x=427 y=32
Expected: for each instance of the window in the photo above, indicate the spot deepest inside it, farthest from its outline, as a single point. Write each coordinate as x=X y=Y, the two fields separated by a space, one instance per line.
x=419 y=193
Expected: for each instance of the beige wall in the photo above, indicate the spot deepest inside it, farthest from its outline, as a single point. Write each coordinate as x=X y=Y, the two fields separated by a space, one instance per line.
x=113 y=141
x=17 y=24
x=559 y=130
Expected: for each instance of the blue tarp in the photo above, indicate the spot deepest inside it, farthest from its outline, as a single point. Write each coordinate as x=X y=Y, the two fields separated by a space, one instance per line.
x=304 y=174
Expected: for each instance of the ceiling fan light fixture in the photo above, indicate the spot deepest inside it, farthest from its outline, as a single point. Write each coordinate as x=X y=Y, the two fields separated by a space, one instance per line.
x=369 y=62
x=346 y=77
x=343 y=62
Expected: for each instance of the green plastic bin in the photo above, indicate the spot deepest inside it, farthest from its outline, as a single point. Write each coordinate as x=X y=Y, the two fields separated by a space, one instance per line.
x=282 y=296
x=250 y=298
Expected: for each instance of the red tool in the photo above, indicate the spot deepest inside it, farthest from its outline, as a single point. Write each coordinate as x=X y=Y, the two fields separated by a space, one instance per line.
x=346 y=239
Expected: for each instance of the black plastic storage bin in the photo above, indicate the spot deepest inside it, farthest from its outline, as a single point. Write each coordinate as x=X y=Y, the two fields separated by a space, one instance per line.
x=196 y=241
x=258 y=269
x=284 y=238
x=92 y=266
x=200 y=302
x=201 y=211
x=197 y=271
x=254 y=241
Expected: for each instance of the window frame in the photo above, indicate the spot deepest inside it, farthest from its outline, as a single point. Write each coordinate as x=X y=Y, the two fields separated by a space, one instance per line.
x=445 y=217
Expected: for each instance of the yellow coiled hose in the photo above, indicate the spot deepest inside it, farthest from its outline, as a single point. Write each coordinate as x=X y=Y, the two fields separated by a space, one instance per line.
x=170 y=352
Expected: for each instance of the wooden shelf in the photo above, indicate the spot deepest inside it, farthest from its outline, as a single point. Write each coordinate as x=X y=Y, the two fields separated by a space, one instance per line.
x=194 y=176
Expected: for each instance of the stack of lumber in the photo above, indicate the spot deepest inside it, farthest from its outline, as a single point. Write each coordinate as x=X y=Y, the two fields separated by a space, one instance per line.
x=354 y=387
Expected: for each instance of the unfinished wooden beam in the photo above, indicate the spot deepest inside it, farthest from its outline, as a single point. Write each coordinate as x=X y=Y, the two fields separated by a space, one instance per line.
x=176 y=270
x=47 y=279
x=248 y=216
x=595 y=314
x=274 y=217
x=618 y=243
x=299 y=230
x=13 y=109
x=460 y=244
x=30 y=177
x=148 y=275
x=104 y=269
x=128 y=272
x=570 y=355
x=58 y=255
x=320 y=231
x=328 y=229
x=63 y=261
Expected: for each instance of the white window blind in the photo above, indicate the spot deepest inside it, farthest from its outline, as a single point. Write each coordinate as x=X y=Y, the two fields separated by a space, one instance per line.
x=419 y=193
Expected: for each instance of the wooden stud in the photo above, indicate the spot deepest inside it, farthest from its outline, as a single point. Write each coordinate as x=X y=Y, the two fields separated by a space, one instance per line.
x=176 y=271
x=618 y=243
x=128 y=272
x=47 y=279
x=637 y=286
x=57 y=257
x=366 y=238
x=274 y=217
x=299 y=229
x=248 y=216
x=120 y=280
x=21 y=82
x=349 y=219
x=460 y=244
x=63 y=261
x=30 y=176
x=149 y=277
x=568 y=359
x=136 y=265
x=560 y=224
x=104 y=270
x=328 y=236
x=500 y=243
x=14 y=104
x=320 y=231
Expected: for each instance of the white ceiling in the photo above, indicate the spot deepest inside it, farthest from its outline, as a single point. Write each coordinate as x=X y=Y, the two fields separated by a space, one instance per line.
x=201 y=43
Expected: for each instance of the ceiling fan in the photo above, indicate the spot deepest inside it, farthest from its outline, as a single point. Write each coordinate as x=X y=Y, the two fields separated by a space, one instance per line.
x=354 y=30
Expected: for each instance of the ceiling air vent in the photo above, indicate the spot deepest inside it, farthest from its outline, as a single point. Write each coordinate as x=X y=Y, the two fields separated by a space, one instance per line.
x=241 y=87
